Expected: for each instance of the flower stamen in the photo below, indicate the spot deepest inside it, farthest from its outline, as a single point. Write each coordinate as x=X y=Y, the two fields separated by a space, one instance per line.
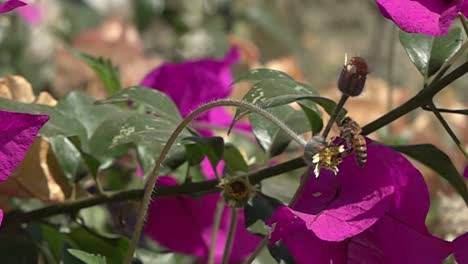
x=328 y=158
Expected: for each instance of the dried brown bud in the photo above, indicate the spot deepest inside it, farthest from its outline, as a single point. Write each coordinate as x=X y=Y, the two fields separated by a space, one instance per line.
x=353 y=76
x=237 y=191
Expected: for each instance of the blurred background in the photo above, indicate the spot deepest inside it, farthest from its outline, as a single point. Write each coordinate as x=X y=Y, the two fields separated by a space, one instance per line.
x=306 y=39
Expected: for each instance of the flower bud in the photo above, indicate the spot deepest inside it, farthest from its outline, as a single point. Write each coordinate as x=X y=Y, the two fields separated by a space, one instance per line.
x=353 y=76
x=237 y=191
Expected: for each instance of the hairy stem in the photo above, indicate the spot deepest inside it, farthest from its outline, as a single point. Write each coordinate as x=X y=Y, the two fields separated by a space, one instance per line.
x=214 y=231
x=154 y=174
x=231 y=235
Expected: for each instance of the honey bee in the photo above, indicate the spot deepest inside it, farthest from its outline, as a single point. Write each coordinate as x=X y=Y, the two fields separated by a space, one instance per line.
x=350 y=132
x=349 y=129
x=360 y=149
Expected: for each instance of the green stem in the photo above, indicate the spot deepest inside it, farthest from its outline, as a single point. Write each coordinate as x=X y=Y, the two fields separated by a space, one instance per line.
x=196 y=188
x=258 y=250
x=231 y=235
x=420 y=99
x=154 y=174
x=334 y=115
x=447 y=128
x=214 y=233
x=450 y=111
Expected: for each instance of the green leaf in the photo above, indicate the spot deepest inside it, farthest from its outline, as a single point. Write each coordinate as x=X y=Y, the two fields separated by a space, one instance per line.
x=114 y=137
x=281 y=254
x=264 y=257
x=268 y=93
x=101 y=142
x=261 y=208
x=147 y=154
x=113 y=249
x=258 y=75
x=149 y=132
x=153 y=100
x=105 y=71
x=68 y=156
x=233 y=159
x=141 y=128
x=92 y=163
x=59 y=124
x=271 y=93
x=149 y=257
x=52 y=237
x=17 y=248
x=83 y=108
x=211 y=147
x=86 y=257
x=270 y=136
x=193 y=153
x=438 y=161
x=314 y=117
x=429 y=53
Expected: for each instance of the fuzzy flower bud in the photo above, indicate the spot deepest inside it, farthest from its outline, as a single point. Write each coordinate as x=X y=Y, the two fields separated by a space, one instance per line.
x=237 y=191
x=353 y=76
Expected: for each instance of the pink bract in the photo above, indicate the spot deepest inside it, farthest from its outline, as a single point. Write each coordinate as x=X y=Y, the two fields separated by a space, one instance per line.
x=10 y=5
x=193 y=83
x=33 y=14
x=431 y=17
x=17 y=133
x=374 y=214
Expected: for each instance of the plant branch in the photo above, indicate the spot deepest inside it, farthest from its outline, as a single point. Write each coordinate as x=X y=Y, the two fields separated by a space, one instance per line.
x=231 y=235
x=214 y=230
x=450 y=111
x=420 y=99
x=194 y=188
x=334 y=115
x=447 y=128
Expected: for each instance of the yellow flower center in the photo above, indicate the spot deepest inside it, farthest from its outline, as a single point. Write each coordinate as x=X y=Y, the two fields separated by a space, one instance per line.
x=328 y=158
